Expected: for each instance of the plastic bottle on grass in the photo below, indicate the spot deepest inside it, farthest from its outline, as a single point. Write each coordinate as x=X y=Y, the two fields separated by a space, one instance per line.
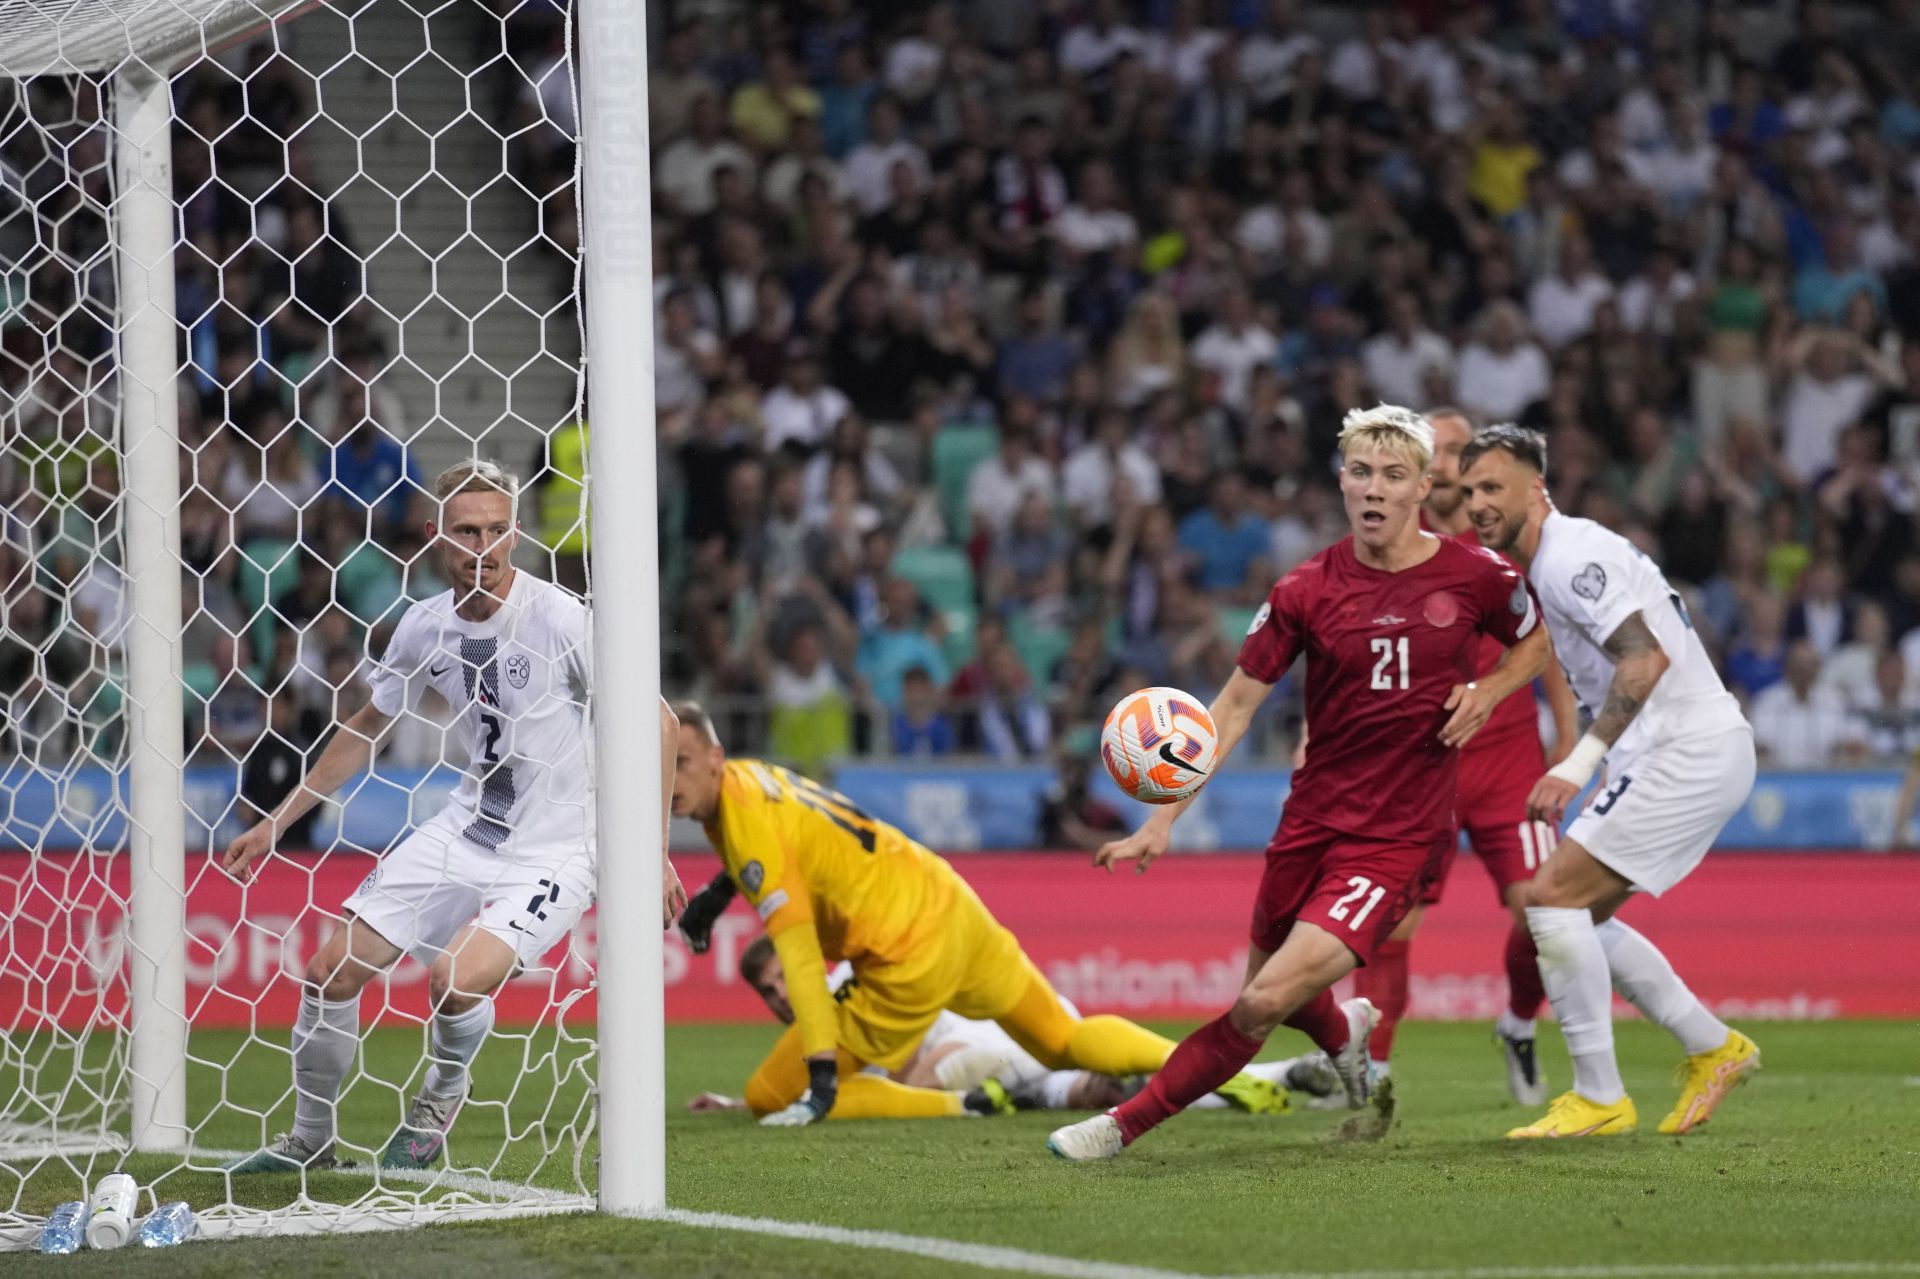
x=167 y=1225
x=110 y=1222
x=63 y=1229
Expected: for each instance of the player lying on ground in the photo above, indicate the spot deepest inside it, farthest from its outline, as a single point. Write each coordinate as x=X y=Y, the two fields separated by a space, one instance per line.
x=830 y=882
x=496 y=878
x=1389 y=619
x=1680 y=758
x=958 y=1054
x=1497 y=769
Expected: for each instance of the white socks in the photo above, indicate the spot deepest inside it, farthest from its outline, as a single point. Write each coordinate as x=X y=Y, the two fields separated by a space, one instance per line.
x=1646 y=980
x=456 y=1039
x=325 y=1037
x=1573 y=967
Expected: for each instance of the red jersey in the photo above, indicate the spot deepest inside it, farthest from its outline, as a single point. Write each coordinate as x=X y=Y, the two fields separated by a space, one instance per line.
x=1383 y=651
x=1516 y=718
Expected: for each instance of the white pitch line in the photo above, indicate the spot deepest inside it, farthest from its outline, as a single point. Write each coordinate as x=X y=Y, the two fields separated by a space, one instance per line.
x=1020 y=1261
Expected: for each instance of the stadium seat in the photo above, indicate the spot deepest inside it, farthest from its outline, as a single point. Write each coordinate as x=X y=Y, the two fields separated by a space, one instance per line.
x=943 y=575
x=1234 y=623
x=956 y=451
x=367 y=583
x=962 y=626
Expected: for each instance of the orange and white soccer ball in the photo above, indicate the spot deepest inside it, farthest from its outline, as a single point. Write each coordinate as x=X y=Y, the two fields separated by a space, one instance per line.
x=1159 y=745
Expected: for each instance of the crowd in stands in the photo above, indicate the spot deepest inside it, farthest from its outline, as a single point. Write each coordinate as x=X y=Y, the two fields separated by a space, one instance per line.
x=1001 y=348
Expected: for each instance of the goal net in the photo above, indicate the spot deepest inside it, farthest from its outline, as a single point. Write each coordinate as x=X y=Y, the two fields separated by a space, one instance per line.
x=267 y=267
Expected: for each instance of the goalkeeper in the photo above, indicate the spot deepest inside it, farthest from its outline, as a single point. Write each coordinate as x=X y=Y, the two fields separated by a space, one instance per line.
x=832 y=883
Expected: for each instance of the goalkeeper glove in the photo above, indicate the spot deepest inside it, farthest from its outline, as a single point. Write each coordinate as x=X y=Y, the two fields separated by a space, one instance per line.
x=814 y=1104
x=703 y=910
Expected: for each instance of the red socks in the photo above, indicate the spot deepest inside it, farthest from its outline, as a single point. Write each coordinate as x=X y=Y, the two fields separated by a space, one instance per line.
x=1202 y=1062
x=1384 y=981
x=1525 y=991
x=1321 y=1020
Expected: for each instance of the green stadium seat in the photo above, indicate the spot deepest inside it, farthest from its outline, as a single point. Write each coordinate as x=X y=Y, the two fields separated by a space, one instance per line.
x=200 y=681
x=367 y=583
x=1234 y=623
x=956 y=451
x=963 y=625
x=268 y=569
x=943 y=575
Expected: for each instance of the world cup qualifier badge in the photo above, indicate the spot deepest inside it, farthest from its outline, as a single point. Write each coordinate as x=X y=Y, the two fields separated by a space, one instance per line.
x=1589 y=582
x=752 y=875
x=518 y=668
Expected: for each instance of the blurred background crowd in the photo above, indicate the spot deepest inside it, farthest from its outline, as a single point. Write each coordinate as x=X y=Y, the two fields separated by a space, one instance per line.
x=1002 y=345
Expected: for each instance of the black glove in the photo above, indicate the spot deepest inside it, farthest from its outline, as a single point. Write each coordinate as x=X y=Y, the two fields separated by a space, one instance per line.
x=703 y=910
x=823 y=1087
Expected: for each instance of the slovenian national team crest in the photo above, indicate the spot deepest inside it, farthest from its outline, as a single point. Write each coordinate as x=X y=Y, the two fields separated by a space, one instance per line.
x=518 y=668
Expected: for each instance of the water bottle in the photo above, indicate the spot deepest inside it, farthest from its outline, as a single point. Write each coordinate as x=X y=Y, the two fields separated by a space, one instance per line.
x=65 y=1224
x=167 y=1225
x=111 y=1221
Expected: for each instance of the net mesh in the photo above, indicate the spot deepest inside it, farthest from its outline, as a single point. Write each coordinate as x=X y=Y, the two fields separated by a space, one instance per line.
x=376 y=264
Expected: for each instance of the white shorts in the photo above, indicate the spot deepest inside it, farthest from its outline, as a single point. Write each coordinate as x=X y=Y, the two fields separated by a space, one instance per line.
x=435 y=882
x=1655 y=821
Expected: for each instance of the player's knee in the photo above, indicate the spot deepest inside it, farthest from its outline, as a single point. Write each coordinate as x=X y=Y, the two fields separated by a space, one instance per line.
x=336 y=975
x=451 y=991
x=1259 y=1011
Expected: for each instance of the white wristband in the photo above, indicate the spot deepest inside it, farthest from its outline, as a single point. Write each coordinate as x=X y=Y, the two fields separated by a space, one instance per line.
x=1578 y=767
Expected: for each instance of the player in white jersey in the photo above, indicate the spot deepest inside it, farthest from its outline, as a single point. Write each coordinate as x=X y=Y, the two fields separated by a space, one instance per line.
x=1680 y=762
x=498 y=876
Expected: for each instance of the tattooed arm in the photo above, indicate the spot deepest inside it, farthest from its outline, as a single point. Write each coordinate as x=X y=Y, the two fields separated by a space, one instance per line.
x=1639 y=662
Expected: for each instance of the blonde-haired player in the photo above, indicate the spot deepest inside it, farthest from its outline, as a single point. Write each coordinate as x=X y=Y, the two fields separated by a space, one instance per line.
x=832 y=883
x=1389 y=620
x=498 y=876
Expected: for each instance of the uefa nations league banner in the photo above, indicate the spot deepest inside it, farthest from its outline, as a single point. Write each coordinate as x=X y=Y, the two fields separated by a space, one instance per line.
x=950 y=809
x=1757 y=935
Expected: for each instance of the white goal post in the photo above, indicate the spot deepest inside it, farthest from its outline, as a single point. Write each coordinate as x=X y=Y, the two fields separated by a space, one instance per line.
x=116 y=1087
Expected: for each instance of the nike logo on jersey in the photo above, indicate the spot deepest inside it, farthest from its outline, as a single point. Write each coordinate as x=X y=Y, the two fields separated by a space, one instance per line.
x=1167 y=753
x=1388 y=620
x=438 y=671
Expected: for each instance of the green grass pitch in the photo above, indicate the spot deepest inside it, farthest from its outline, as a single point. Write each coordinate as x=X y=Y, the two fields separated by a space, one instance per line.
x=1817 y=1162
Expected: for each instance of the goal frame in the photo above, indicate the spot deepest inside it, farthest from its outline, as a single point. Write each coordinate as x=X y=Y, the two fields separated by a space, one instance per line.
x=143 y=44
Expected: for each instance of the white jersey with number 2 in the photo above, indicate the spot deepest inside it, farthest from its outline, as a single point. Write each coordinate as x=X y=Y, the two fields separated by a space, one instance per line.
x=517 y=684
x=1590 y=580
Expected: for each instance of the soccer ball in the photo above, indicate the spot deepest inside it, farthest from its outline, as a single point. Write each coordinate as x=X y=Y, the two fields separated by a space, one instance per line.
x=1159 y=745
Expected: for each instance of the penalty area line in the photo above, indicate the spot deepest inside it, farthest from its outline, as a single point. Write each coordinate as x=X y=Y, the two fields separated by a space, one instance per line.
x=1020 y=1261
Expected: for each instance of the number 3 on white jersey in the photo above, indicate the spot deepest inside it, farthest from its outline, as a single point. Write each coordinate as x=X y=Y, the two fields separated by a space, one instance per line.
x=1384 y=649
x=1362 y=887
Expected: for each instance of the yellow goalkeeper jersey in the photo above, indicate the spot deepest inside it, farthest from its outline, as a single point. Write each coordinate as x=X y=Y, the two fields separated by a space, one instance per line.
x=806 y=855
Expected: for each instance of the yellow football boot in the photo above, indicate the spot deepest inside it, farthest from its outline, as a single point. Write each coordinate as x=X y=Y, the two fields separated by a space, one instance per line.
x=1572 y=1115
x=1709 y=1077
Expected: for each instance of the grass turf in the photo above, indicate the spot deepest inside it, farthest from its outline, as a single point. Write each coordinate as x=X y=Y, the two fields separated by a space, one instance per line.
x=1816 y=1161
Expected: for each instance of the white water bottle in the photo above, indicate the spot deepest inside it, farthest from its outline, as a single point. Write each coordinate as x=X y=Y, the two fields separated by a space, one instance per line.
x=111 y=1222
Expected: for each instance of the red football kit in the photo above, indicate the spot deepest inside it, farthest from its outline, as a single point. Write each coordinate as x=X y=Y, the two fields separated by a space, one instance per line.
x=1497 y=771
x=1372 y=810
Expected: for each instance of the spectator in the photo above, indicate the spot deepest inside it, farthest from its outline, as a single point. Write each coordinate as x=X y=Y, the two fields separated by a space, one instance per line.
x=1833 y=381
x=1094 y=474
x=1561 y=305
x=273 y=766
x=1037 y=358
x=1851 y=670
x=1229 y=542
x=921 y=727
x=1501 y=372
x=810 y=720
x=1757 y=660
x=1233 y=347
x=870 y=165
x=803 y=409
x=1822 y=615
x=1885 y=727
x=1071 y=816
x=684 y=172
x=1027 y=566
x=1001 y=485
x=765 y=112
x=897 y=641
x=1148 y=356
x=1399 y=361
x=1797 y=723
x=1014 y=724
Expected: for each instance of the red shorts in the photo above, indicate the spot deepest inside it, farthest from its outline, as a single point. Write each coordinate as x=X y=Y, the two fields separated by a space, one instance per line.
x=1356 y=889
x=1491 y=807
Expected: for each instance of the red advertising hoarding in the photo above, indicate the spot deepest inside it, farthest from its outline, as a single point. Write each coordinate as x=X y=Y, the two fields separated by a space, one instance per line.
x=1756 y=934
